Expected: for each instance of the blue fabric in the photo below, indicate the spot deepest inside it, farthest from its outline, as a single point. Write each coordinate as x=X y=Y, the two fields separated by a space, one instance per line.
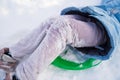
x=109 y=18
x=112 y=7
x=111 y=3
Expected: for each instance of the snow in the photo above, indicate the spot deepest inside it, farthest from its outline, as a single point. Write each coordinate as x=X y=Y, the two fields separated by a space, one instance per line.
x=19 y=17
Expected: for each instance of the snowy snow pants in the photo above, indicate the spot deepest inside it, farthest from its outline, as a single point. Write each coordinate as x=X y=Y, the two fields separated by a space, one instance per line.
x=46 y=42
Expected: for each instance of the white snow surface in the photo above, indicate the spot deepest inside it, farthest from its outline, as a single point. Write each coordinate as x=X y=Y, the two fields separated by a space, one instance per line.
x=19 y=17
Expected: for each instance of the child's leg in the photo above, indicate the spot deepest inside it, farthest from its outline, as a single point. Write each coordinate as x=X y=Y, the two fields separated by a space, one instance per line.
x=54 y=42
x=30 y=42
x=57 y=37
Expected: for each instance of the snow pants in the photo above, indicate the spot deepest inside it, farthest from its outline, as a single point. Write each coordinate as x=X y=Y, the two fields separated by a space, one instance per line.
x=47 y=41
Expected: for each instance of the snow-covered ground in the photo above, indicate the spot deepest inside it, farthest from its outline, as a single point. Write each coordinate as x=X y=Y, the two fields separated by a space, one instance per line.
x=18 y=17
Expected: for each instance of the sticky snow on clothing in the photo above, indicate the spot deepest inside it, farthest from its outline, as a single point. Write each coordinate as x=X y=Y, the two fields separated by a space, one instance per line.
x=46 y=42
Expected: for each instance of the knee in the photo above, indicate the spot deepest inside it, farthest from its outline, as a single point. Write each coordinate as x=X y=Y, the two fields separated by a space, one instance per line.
x=60 y=29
